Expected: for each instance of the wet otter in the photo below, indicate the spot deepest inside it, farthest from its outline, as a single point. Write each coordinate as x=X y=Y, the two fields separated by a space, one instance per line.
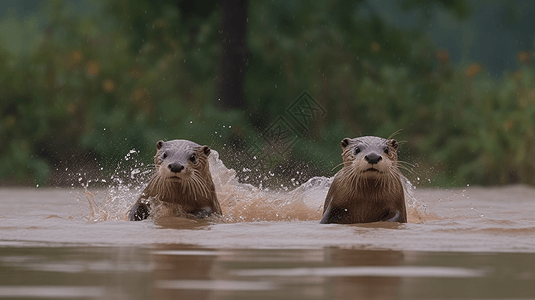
x=368 y=188
x=182 y=177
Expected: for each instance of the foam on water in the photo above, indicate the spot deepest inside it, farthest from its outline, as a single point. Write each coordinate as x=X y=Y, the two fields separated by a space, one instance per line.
x=240 y=202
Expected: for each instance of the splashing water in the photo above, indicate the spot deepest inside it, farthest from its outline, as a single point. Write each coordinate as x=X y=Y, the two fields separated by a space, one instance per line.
x=127 y=182
x=240 y=202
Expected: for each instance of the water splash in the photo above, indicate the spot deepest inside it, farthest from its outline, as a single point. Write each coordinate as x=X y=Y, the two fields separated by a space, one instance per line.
x=240 y=202
x=243 y=202
x=124 y=186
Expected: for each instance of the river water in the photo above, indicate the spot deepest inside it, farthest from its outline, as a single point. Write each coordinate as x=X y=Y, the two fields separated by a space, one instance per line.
x=66 y=243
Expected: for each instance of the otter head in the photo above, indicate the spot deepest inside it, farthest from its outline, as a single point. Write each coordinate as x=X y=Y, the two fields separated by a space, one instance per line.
x=181 y=159
x=370 y=156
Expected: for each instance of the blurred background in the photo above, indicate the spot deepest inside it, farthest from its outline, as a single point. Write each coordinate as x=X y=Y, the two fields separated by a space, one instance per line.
x=273 y=86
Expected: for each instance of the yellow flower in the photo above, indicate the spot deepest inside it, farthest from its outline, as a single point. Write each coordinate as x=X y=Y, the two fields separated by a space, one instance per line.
x=375 y=47
x=75 y=59
x=108 y=85
x=92 y=68
x=138 y=95
x=508 y=125
x=443 y=56
x=524 y=57
x=473 y=69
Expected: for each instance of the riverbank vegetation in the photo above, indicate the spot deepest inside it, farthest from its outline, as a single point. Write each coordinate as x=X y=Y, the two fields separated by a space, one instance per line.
x=85 y=89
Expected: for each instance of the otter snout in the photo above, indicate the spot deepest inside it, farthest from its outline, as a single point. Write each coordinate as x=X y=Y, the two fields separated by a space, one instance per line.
x=175 y=167
x=373 y=158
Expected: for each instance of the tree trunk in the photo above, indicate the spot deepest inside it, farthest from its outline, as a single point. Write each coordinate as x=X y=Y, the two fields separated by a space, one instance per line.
x=233 y=53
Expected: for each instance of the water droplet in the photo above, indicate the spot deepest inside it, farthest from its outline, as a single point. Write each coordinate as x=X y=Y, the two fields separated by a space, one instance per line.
x=134 y=172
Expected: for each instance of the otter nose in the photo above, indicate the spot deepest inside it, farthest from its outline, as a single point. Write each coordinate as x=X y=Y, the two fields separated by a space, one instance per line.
x=373 y=158
x=175 y=167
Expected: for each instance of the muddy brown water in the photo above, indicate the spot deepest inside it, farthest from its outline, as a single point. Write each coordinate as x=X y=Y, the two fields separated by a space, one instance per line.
x=471 y=243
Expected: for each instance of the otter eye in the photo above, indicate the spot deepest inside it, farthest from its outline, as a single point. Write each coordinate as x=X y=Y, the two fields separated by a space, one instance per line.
x=164 y=155
x=387 y=150
x=192 y=158
x=357 y=150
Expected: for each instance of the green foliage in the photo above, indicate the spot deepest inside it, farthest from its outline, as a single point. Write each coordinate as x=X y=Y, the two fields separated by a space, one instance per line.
x=92 y=87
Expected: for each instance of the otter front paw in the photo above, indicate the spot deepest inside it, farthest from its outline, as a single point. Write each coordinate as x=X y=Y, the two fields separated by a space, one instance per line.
x=392 y=216
x=140 y=211
x=203 y=213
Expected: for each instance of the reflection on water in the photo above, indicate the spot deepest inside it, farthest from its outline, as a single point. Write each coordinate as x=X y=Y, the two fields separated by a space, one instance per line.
x=82 y=272
x=52 y=292
x=186 y=272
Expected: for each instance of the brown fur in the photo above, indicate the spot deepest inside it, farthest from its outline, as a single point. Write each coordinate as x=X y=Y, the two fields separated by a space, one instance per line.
x=365 y=190
x=182 y=178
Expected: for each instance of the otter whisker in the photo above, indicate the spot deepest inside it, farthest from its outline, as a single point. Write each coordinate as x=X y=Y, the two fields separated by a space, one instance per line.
x=337 y=166
x=411 y=171
x=406 y=163
x=201 y=185
x=395 y=133
x=195 y=187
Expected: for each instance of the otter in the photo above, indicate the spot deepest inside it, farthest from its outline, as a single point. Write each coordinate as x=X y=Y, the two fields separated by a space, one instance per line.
x=368 y=188
x=182 y=177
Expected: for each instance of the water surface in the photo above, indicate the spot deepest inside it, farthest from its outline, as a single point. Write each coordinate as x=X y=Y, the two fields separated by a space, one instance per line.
x=471 y=243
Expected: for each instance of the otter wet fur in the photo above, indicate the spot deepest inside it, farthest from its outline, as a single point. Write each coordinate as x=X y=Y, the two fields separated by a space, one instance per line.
x=182 y=177
x=368 y=188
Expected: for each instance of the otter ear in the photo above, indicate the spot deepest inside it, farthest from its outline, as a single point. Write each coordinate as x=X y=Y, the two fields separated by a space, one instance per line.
x=206 y=150
x=159 y=145
x=344 y=143
x=393 y=144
